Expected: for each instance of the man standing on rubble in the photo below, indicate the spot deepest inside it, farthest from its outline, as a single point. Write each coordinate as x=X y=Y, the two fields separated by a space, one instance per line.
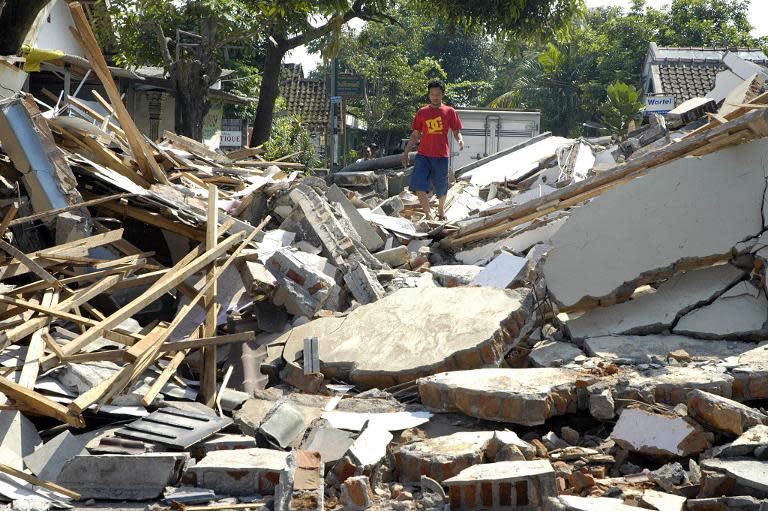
x=431 y=125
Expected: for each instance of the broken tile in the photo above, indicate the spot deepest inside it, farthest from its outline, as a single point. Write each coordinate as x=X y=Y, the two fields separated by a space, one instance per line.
x=748 y=444
x=663 y=501
x=370 y=446
x=18 y=434
x=330 y=442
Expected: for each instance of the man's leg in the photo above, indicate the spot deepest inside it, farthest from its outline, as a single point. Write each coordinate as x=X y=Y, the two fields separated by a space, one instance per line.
x=440 y=183
x=419 y=183
x=441 y=207
x=424 y=201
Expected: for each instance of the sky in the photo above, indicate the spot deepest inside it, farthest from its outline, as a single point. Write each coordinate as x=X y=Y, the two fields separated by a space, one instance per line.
x=758 y=17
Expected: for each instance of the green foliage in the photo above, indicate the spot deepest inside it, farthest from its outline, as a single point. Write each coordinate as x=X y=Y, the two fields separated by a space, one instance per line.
x=621 y=106
x=289 y=136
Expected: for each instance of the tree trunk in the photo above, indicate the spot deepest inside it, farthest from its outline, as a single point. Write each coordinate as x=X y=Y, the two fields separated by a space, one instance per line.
x=192 y=103
x=16 y=19
x=270 y=89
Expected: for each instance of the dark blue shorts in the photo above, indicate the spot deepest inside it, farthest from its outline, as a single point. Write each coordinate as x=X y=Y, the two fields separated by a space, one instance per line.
x=428 y=169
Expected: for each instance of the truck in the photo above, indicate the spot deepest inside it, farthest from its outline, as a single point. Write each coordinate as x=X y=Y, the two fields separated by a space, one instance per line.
x=488 y=131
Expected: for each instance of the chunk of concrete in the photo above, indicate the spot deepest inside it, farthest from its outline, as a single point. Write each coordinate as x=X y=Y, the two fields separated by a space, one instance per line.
x=442 y=457
x=722 y=414
x=670 y=384
x=640 y=349
x=305 y=281
x=659 y=435
x=239 y=472
x=657 y=311
x=602 y=405
x=330 y=442
x=283 y=424
x=453 y=275
x=553 y=353
x=122 y=477
x=576 y=503
x=739 y=313
x=394 y=257
x=417 y=332
x=47 y=462
x=518 y=485
x=748 y=444
x=613 y=244
x=370 y=447
x=662 y=501
x=750 y=370
x=363 y=284
x=519 y=396
x=368 y=234
x=18 y=434
x=743 y=476
x=502 y=271
x=356 y=494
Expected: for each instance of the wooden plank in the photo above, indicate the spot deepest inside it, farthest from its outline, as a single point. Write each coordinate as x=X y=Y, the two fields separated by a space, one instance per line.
x=49 y=311
x=38 y=403
x=96 y=116
x=197 y=148
x=164 y=376
x=36 y=347
x=37 y=286
x=141 y=152
x=208 y=372
x=30 y=263
x=168 y=281
x=244 y=153
x=38 y=482
x=53 y=345
x=152 y=218
x=8 y=218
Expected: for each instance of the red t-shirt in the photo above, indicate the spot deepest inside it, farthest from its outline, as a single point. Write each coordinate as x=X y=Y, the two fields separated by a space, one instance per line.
x=434 y=123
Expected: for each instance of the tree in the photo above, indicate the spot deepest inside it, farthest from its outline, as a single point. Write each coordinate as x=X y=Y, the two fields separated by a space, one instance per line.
x=16 y=18
x=622 y=105
x=287 y=27
x=140 y=35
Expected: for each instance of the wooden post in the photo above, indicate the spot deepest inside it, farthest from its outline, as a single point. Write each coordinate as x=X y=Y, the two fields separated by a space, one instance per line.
x=208 y=371
x=344 y=131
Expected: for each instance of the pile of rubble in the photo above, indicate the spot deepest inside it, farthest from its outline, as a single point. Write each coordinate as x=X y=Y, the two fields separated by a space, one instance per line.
x=213 y=331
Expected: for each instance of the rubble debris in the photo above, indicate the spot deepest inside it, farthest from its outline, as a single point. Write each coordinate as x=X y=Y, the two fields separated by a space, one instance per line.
x=723 y=414
x=734 y=476
x=659 y=435
x=238 y=472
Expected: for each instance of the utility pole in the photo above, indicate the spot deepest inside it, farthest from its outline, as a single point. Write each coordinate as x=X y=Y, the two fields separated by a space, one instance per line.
x=333 y=124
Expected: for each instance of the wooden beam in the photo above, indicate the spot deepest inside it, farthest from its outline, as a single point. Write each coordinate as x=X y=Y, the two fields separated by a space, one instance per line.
x=36 y=347
x=141 y=152
x=38 y=403
x=8 y=218
x=208 y=371
x=38 y=482
x=197 y=148
x=30 y=263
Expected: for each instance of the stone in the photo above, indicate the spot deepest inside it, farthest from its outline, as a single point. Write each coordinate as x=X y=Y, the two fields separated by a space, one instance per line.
x=47 y=461
x=748 y=444
x=722 y=414
x=640 y=349
x=417 y=332
x=356 y=493
x=613 y=244
x=750 y=371
x=739 y=313
x=122 y=477
x=743 y=476
x=441 y=457
x=520 y=396
x=654 y=312
x=394 y=257
x=668 y=476
x=549 y=353
x=659 y=435
x=368 y=234
x=570 y=435
x=454 y=275
x=580 y=480
x=239 y=472
x=518 y=485
x=502 y=271
x=740 y=503
x=18 y=434
x=601 y=405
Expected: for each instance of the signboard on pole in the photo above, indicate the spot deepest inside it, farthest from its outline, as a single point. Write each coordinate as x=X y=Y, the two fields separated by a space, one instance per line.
x=349 y=85
x=658 y=104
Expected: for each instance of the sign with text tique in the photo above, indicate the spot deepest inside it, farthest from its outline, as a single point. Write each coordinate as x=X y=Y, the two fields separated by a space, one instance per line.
x=658 y=104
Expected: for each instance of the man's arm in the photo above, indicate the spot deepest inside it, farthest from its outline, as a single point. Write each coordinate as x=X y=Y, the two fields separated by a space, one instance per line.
x=459 y=138
x=415 y=136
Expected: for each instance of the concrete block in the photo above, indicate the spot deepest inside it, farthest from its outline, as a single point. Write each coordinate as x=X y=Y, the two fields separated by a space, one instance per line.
x=363 y=284
x=239 y=472
x=122 y=477
x=657 y=311
x=356 y=493
x=394 y=257
x=659 y=435
x=442 y=457
x=368 y=234
x=222 y=442
x=518 y=485
x=519 y=396
x=304 y=285
x=613 y=244
x=502 y=271
x=454 y=275
x=724 y=415
x=47 y=462
x=395 y=339
x=283 y=424
x=553 y=353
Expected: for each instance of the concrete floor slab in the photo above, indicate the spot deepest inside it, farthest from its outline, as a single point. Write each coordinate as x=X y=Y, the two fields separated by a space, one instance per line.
x=621 y=239
x=417 y=332
x=748 y=476
x=658 y=435
x=520 y=396
x=739 y=313
x=641 y=349
x=442 y=457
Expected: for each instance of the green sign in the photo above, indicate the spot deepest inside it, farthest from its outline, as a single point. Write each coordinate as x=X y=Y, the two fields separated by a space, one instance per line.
x=349 y=85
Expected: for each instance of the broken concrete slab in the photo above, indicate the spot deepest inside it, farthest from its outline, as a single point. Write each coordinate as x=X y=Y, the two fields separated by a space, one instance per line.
x=370 y=446
x=122 y=477
x=239 y=472
x=659 y=435
x=669 y=384
x=549 y=353
x=662 y=501
x=18 y=433
x=363 y=284
x=454 y=275
x=748 y=444
x=722 y=414
x=305 y=281
x=518 y=485
x=613 y=244
x=576 y=503
x=47 y=461
x=368 y=234
x=519 y=396
x=442 y=457
x=657 y=311
x=739 y=313
x=640 y=349
x=743 y=476
x=330 y=442
x=750 y=372
x=501 y=272
x=393 y=257
x=417 y=332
